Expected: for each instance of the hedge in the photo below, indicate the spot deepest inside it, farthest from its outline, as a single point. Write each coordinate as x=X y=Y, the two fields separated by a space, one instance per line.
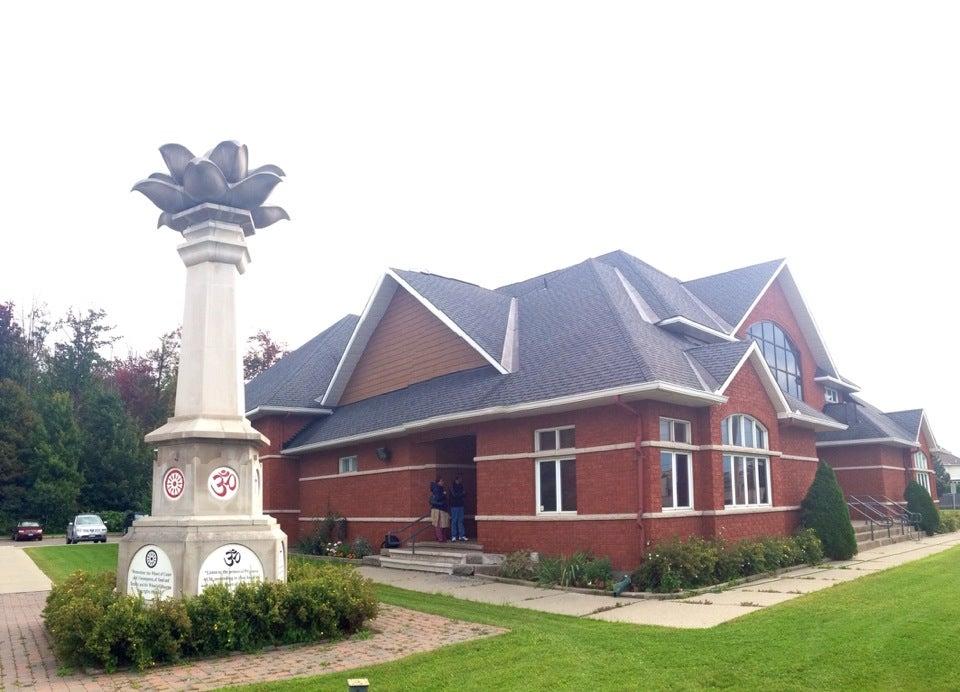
x=919 y=501
x=676 y=565
x=91 y=624
x=582 y=570
x=825 y=511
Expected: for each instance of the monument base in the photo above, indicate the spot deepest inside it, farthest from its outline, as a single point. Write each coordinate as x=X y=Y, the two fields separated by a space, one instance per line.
x=180 y=556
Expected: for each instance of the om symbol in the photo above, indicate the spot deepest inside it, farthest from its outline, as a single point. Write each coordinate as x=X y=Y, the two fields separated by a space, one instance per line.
x=223 y=483
x=231 y=557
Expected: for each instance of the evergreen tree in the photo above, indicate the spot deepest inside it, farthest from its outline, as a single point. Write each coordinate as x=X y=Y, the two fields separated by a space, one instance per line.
x=19 y=429
x=55 y=480
x=919 y=501
x=825 y=511
x=15 y=361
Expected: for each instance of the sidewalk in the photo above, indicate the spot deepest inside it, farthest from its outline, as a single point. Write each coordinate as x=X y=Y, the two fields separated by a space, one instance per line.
x=18 y=573
x=705 y=610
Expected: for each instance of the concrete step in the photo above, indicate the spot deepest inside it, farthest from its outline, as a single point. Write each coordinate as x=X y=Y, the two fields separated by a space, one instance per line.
x=883 y=540
x=454 y=557
x=425 y=566
x=456 y=546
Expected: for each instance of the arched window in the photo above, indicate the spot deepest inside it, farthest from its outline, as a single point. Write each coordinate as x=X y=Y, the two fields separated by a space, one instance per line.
x=746 y=475
x=921 y=470
x=780 y=354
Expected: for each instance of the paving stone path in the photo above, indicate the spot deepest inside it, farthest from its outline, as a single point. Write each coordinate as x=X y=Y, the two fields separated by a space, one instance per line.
x=26 y=661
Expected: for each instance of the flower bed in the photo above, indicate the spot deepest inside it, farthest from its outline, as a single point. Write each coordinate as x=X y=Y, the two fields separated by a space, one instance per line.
x=680 y=565
x=91 y=624
x=580 y=570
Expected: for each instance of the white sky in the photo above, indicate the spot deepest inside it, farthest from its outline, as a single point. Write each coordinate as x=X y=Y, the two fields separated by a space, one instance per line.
x=494 y=141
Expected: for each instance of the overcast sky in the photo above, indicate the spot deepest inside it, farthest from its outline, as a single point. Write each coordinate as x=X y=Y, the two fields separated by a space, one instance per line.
x=495 y=141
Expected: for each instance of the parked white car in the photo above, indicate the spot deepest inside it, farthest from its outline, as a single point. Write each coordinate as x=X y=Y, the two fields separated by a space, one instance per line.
x=86 y=527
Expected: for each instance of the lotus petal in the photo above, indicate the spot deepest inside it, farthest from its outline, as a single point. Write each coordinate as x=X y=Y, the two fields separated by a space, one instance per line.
x=253 y=190
x=203 y=180
x=170 y=198
x=176 y=156
x=162 y=176
x=269 y=168
x=231 y=158
x=165 y=220
x=266 y=216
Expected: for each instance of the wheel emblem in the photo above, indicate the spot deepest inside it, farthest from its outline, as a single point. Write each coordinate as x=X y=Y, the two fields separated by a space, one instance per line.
x=173 y=483
x=151 y=558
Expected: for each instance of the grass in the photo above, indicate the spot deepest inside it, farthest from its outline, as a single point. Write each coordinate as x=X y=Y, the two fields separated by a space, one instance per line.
x=60 y=561
x=883 y=631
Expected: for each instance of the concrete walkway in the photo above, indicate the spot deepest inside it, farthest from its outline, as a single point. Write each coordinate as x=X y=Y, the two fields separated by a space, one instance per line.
x=705 y=610
x=18 y=573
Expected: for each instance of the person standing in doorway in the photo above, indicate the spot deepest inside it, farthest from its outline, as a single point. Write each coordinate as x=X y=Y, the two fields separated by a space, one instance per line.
x=457 y=494
x=439 y=514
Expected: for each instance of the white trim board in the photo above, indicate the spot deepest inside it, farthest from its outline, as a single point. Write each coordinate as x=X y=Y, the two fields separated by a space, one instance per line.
x=281 y=511
x=562 y=516
x=573 y=401
x=392 y=469
x=261 y=411
x=551 y=453
x=761 y=509
x=869 y=441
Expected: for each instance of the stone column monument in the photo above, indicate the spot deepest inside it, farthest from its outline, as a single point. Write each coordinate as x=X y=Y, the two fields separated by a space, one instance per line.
x=207 y=524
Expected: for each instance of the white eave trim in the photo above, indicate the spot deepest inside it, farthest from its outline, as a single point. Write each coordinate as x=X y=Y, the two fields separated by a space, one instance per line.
x=811 y=421
x=869 y=441
x=511 y=339
x=261 y=411
x=642 y=307
x=769 y=381
x=688 y=324
x=837 y=382
x=568 y=402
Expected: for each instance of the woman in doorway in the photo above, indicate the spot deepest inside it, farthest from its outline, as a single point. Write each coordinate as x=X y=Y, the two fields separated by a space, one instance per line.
x=457 y=495
x=439 y=514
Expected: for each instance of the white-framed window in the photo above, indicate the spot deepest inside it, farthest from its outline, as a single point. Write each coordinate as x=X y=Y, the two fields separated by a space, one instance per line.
x=555 y=438
x=674 y=430
x=831 y=395
x=556 y=486
x=676 y=480
x=920 y=465
x=746 y=481
x=740 y=430
x=349 y=464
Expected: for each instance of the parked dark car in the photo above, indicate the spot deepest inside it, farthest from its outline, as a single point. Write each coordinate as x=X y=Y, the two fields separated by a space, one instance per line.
x=28 y=531
x=86 y=527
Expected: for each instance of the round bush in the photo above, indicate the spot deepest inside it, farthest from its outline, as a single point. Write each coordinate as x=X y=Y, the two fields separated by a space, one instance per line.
x=825 y=511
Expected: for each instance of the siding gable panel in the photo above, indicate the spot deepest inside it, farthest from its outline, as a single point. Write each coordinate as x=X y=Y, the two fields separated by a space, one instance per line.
x=409 y=345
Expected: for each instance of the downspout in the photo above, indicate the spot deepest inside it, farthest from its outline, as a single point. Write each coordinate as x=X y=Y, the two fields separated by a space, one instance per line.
x=638 y=450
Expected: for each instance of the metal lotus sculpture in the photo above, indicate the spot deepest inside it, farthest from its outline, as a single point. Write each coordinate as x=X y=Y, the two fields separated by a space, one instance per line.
x=218 y=180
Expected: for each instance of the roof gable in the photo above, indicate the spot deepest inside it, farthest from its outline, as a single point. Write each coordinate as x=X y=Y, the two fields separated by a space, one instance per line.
x=733 y=294
x=465 y=307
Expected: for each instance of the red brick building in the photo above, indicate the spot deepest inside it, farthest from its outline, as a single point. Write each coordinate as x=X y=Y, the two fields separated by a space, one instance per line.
x=600 y=407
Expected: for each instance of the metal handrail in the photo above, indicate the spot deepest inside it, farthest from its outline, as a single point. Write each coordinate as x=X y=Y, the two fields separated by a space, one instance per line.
x=907 y=518
x=412 y=538
x=870 y=513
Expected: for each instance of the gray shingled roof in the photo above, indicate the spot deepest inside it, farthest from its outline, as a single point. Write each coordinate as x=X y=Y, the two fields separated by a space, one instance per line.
x=908 y=420
x=731 y=293
x=479 y=312
x=578 y=331
x=297 y=379
x=864 y=422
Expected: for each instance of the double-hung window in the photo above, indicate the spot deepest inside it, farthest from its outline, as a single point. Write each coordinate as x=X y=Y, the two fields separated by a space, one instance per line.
x=676 y=480
x=348 y=464
x=920 y=467
x=673 y=430
x=746 y=476
x=556 y=477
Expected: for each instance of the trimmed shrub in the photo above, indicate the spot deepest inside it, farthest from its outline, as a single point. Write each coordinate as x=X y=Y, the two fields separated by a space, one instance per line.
x=949 y=521
x=676 y=565
x=825 y=511
x=91 y=624
x=518 y=565
x=581 y=570
x=113 y=520
x=329 y=530
x=919 y=501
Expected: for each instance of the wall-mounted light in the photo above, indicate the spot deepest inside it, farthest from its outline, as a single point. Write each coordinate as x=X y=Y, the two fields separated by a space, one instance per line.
x=383 y=453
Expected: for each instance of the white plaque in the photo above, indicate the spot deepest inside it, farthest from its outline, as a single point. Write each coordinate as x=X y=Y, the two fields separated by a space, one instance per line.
x=230 y=565
x=223 y=483
x=150 y=574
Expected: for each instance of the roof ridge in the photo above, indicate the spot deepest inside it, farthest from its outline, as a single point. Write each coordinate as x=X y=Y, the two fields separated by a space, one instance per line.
x=779 y=260
x=443 y=276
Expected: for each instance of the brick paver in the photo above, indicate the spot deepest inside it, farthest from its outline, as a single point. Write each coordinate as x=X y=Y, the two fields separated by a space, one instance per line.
x=27 y=662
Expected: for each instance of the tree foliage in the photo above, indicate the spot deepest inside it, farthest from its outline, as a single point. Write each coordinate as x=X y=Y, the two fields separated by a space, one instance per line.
x=825 y=511
x=942 y=476
x=919 y=501
x=262 y=352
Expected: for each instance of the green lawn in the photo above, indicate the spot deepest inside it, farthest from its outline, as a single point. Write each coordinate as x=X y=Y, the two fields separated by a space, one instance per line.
x=59 y=562
x=883 y=631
